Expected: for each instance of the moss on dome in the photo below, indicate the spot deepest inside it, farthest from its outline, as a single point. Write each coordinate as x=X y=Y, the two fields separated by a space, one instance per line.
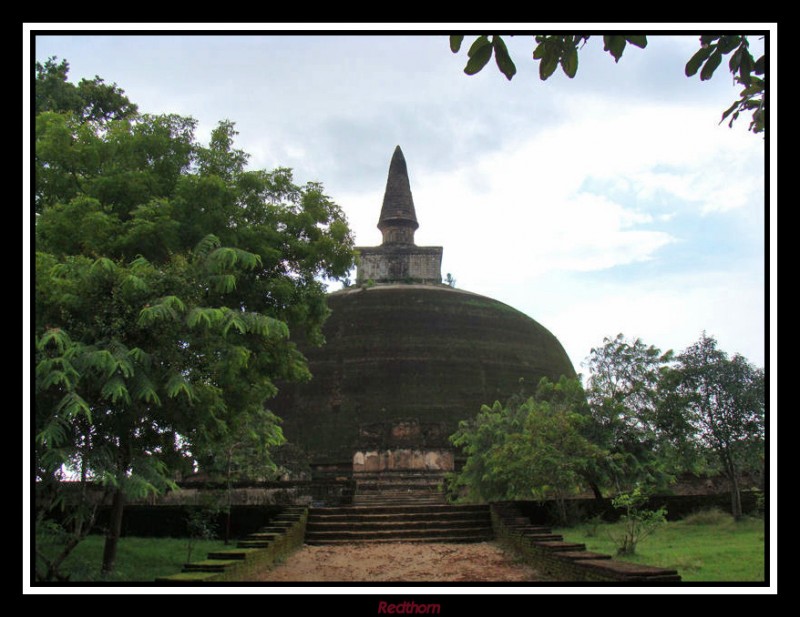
x=428 y=352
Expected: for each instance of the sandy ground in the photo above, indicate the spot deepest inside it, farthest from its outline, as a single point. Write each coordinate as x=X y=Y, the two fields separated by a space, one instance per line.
x=400 y=562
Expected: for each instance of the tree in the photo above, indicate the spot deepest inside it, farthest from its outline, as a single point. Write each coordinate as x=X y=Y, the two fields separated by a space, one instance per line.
x=527 y=448
x=552 y=51
x=92 y=100
x=168 y=277
x=721 y=403
x=243 y=452
x=623 y=396
x=638 y=522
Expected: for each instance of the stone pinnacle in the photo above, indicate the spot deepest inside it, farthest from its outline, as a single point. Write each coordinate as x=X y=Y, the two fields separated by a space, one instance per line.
x=398 y=205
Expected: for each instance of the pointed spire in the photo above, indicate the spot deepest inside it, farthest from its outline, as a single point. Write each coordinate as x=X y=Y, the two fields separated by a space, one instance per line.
x=398 y=219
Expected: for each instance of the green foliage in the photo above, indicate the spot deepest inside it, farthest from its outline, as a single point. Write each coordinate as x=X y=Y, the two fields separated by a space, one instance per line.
x=531 y=448
x=624 y=400
x=746 y=71
x=717 y=404
x=551 y=51
x=554 y=50
x=200 y=525
x=168 y=277
x=638 y=522
x=91 y=100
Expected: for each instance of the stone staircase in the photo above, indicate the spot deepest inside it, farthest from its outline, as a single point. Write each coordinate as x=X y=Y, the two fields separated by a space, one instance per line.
x=399 y=507
x=391 y=488
x=259 y=550
x=568 y=561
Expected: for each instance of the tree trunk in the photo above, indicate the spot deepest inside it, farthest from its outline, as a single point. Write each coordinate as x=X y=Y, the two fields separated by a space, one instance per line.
x=229 y=491
x=114 y=530
x=733 y=477
x=736 y=498
x=596 y=490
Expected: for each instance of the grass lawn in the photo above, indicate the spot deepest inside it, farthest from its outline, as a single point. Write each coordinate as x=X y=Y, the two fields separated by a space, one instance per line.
x=720 y=550
x=138 y=559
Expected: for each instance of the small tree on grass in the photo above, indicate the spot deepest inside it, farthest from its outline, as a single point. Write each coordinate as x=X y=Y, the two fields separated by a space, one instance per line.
x=637 y=523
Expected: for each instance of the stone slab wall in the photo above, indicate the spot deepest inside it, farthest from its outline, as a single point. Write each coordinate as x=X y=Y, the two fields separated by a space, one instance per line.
x=402 y=459
x=384 y=264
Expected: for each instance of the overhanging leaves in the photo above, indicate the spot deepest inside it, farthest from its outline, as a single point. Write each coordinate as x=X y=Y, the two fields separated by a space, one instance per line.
x=455 y=42
x=480 y=54
x=504 y=62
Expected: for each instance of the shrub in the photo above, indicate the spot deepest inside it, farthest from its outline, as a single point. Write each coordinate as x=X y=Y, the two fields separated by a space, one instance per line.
x=637 y=522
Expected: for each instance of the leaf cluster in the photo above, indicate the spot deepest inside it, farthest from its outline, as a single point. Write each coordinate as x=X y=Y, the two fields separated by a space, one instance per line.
x=168 y=279
x=551 y=51
x=554 y=50
x=531 y=448
x=746 y=70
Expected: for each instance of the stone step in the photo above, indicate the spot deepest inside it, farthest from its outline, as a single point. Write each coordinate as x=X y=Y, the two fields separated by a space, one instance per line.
x=544 y=537
x=400 y=522
x=457 y=515
x=401 y=492
x=210 y=565
x=400 y=473
x=397 y=509
x=233 y=553
x=476 y=534
x=560 y=545
x=526 y=529
x=422 y=497
x=398 y=502
x=431 y=540
x=398 y=490
x=254 y=543
x=358 y=525
x=263 y=535
x=399 y=485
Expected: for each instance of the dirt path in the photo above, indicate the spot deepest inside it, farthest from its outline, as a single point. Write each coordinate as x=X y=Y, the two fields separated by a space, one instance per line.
x=432 y=563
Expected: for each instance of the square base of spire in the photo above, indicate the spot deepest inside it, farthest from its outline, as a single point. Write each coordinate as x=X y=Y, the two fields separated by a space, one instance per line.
x=400 y=264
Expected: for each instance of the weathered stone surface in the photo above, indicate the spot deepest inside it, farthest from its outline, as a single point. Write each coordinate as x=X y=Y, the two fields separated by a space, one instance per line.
x=624 y=570
x=400 y=264
x=398 y=205
x=398 y=259
x=404 y=458
x=433 y=353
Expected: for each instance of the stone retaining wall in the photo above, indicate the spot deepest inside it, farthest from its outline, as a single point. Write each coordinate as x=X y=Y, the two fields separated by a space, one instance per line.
x=569 y=561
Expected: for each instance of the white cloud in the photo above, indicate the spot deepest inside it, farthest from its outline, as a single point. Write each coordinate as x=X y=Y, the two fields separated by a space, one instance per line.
x=670 y=312
x=536 y=190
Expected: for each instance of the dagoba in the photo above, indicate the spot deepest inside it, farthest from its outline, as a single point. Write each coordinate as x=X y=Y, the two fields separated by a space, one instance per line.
x=407 y=357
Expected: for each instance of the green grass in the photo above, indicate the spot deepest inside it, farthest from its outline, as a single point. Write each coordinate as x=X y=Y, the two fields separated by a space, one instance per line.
x=719 y=551
x=138 y=559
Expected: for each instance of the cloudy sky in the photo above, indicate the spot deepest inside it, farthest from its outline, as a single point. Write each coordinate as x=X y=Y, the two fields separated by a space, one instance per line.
x=612 y=202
